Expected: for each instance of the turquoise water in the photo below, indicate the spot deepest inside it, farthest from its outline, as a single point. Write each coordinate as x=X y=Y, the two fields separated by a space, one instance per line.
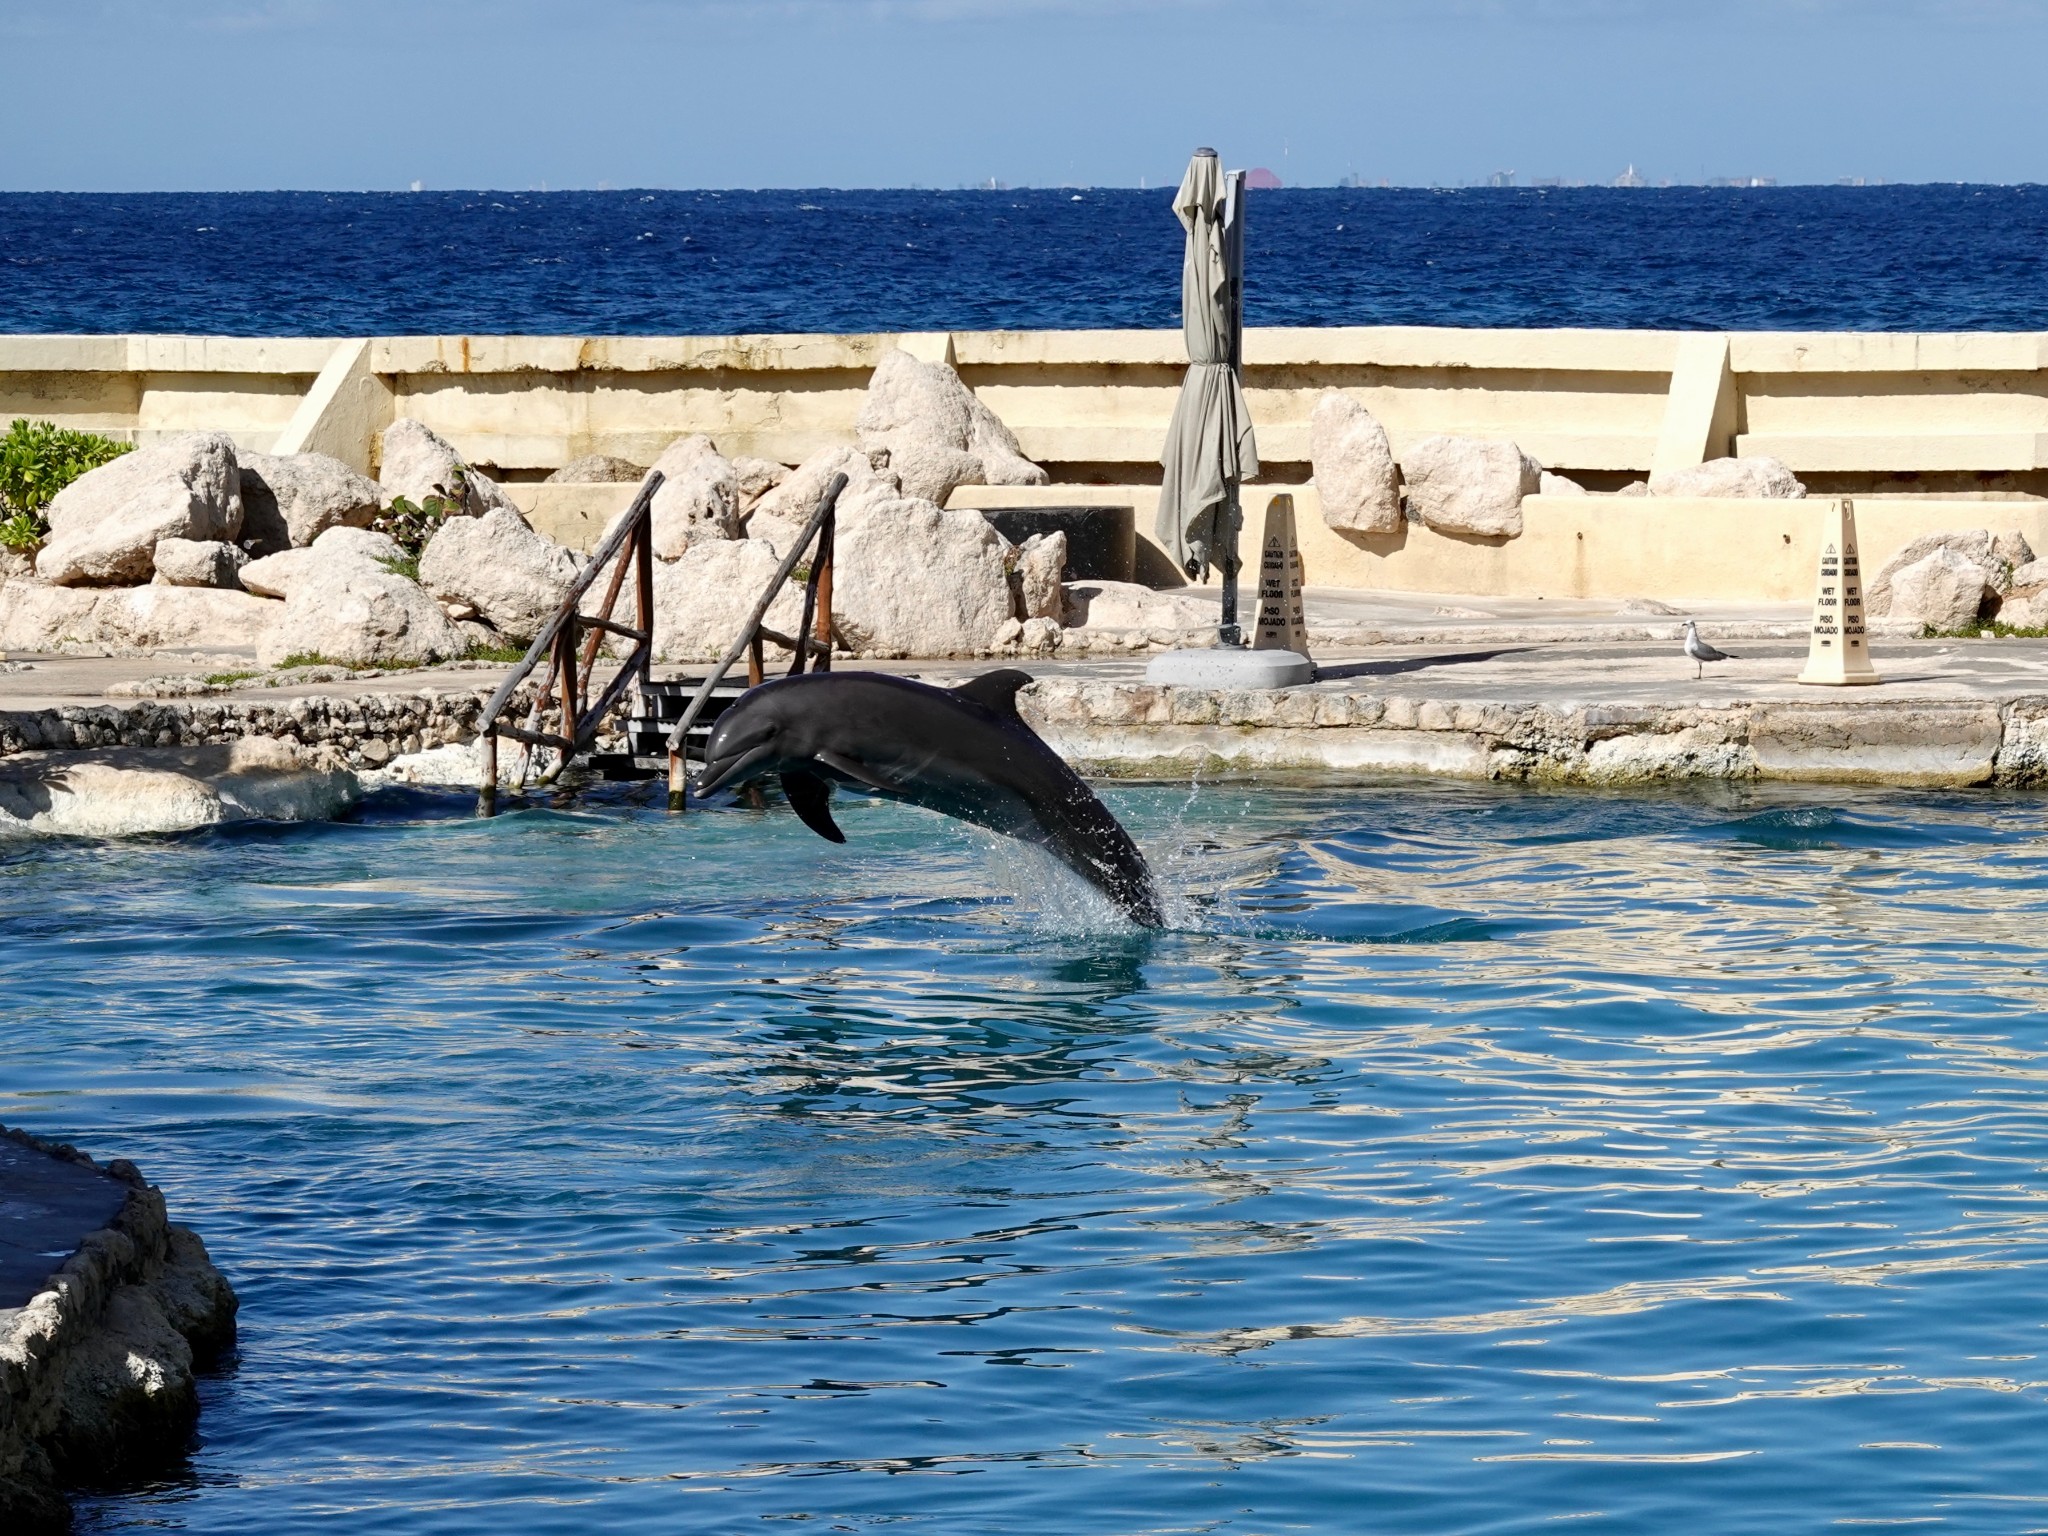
x=1468 y=1161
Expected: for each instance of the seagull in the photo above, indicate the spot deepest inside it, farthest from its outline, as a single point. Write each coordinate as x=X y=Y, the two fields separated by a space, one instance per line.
x=1699 y=650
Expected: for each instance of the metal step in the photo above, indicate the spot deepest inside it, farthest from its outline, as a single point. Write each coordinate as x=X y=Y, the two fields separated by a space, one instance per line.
x=659 y=704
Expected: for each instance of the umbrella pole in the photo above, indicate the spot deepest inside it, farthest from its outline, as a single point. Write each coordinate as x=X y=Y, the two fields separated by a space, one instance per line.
x=1231 y=633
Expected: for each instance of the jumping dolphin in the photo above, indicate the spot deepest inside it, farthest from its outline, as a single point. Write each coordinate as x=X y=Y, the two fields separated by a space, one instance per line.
x=964 y=752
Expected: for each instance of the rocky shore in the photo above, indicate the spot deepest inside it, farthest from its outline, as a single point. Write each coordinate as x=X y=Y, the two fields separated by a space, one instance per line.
x=98 y=1361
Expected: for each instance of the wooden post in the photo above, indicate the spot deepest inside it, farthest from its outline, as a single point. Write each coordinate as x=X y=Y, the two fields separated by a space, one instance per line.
x=756 y=673
x=822 y=638
x=678 y=781
x=572 y=699
x=487 y=794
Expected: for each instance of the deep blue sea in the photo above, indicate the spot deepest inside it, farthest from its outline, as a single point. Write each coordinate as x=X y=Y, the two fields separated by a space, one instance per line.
x=1466 y=1160
x=667 y=263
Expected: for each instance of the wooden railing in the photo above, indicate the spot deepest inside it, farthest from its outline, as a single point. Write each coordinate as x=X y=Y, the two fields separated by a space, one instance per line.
x=814 y=632
x=629 y=545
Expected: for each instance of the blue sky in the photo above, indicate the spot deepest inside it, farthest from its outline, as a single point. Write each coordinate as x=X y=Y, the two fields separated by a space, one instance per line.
x=228 y=94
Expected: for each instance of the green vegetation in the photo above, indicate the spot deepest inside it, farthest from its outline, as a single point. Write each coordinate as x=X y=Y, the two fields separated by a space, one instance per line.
x=407 y=566
x=1979 y=629
x=37 y=460
x=412 y=525
x=508 y=654
x=228 y=679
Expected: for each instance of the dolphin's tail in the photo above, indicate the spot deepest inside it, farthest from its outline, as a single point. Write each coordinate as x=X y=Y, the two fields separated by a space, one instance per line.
x=1093 y=843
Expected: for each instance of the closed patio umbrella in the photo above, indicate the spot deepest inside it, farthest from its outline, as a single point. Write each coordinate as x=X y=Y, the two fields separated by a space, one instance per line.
x=1209 y=446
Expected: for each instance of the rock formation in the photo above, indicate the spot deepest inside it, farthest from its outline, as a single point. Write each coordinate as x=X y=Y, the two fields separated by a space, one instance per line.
x=289 y=501
x=1945 y=580
x=912 y=580
x=1760 y=477
x=198 y=563
x=1041 y=561
x=1470 y=485
x=597 y=469
x=782 y=514
x=698 y=499
x=104 y=526
x=936 y=433
x=512 y=577
x=417 y=464
x=703 y=597
x=1354 y=468
x=343 y=604
x=97 y=1371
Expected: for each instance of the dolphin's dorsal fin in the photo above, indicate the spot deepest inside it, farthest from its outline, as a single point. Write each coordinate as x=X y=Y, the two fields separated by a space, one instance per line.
x=996 y=692
x=811 y=798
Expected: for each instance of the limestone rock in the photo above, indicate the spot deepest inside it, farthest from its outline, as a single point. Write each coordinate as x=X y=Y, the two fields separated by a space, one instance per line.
x=198 y=563
x=2010 y=553
x=511 y=576
x=1126 y=605
x=1548 y=484
x=289 y=501
x=1040 y=562
x=1470 y=485
x=1041 y=637
x=1353 y=462
x=36 y=616
x=348 y=610
x=703 y=597
x=2025 y=604
x=16 y=562
x=937 y=434
x=1944 y=590
x=911 y=579
x=130 y=791
x=782 y=514
x=1974 y=546
x=273 y=575
x=597 y=469
x=698 y=499
x=755 y=478
x=1761 y=477
x=165 y=618
x=104 y=526
x=417 y=464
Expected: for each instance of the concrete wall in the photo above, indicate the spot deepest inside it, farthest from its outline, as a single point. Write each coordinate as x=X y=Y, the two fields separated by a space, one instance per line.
x=1938 y=424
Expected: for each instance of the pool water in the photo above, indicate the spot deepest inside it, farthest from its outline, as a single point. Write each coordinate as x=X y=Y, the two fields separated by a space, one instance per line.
x=1465 y=1160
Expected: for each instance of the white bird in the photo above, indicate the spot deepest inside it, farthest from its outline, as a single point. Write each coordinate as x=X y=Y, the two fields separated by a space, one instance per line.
x=1699 y=650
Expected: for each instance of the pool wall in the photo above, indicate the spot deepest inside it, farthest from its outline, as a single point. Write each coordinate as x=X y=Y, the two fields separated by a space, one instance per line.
x=1930 y=432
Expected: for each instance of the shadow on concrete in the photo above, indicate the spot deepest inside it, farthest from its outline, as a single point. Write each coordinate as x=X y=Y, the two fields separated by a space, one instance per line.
x=1413 y=663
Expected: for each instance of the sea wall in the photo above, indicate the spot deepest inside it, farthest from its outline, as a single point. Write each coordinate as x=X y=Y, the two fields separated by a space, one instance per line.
x=1928 y=431
x=96 y=1371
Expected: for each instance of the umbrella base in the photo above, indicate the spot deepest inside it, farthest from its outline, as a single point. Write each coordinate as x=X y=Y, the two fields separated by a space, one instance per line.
x=1225 y=667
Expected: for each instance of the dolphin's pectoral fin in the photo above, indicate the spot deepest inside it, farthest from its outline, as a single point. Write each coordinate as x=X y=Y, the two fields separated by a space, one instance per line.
x=996 y=692
x=855 y=770
x=811 y=798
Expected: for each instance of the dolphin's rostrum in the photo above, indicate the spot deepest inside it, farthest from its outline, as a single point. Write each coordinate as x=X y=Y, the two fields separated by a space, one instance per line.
x=964 y=752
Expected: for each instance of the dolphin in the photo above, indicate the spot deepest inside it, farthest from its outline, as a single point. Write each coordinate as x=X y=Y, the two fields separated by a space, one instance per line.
x=964 y=752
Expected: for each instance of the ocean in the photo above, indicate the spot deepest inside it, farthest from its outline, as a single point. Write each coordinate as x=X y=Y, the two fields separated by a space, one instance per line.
x=1935 y=258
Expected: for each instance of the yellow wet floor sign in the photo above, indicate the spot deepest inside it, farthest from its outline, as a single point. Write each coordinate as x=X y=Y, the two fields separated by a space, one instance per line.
x=1838 y=647
x=1283 y=624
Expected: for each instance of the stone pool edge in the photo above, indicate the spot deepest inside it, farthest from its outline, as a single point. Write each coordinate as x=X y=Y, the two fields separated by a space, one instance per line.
x=1137 y=730
x=97 y=1370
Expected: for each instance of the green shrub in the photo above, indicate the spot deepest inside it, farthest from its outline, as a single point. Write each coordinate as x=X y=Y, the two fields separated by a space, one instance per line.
x=412 y=526
x=37 y=460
